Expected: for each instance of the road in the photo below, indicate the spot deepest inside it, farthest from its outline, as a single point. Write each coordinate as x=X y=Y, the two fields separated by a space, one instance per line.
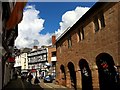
x=18 y=84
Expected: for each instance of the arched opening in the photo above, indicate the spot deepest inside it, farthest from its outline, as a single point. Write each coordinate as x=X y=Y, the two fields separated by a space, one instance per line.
x=72 y=74
x=63 y=75
x=108 y=75
x=86 y=75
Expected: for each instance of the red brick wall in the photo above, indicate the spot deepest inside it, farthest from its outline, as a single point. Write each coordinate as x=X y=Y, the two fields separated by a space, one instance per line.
x=104 y=41
x=50 y=50
x=53 y=40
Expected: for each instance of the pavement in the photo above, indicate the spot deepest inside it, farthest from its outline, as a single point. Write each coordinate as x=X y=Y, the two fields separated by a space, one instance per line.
x=15 y=83
x=50 y=86
x=18 y=84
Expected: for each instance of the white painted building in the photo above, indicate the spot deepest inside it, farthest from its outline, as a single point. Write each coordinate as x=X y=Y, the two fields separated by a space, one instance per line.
x=17 y=61
x=21 y=61
x=24 y=61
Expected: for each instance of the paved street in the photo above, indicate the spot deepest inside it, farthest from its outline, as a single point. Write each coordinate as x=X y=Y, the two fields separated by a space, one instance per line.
x=18 y=84
x=21 y=85
x=52 y=86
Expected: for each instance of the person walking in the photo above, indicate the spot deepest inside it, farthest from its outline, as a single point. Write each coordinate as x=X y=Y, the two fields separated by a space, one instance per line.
x=36 y=81
x=30 y=76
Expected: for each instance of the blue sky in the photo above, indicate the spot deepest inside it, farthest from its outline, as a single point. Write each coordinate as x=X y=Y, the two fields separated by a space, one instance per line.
x=43 y=19
x=52 y=12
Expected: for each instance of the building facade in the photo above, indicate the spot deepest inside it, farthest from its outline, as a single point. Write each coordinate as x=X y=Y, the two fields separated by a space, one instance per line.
x=21 y=61
x=10 y=16
x=24 y=61
x=52 y=60
x=88 y=53
x=37 y=60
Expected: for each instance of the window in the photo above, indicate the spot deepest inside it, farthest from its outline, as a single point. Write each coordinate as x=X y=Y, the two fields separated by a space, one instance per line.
x=102 y=21
x=25 y=60
x=81 y=34
x=53 y=54
x=69 y=41
x=96 y=24
x=78 y=36
x=99 y=22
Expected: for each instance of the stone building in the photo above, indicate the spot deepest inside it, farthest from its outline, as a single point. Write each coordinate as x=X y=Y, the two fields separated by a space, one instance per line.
x=11 y=14
x=88 y=53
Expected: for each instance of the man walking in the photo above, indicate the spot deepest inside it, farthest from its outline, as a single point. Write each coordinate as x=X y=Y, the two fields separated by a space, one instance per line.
x=30 y=76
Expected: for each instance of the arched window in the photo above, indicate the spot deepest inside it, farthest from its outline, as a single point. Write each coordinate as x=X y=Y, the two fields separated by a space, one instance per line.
x=72 y=74
x=108 y=76
x=86 y=75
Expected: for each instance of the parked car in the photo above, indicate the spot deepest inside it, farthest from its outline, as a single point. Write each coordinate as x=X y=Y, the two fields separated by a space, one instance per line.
x=24 y=75
x=53 y=76
x=48 y=78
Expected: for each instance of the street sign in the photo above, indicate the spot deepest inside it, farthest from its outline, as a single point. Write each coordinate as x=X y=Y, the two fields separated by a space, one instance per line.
x=11 y=59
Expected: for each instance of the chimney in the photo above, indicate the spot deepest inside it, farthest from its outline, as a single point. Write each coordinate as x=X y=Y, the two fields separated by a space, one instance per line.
x=35 y=47
x=53 y=39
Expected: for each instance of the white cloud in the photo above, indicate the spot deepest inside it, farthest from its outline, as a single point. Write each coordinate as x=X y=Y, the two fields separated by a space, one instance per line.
x=32 y=24
x=69 y=19
x=29 y=28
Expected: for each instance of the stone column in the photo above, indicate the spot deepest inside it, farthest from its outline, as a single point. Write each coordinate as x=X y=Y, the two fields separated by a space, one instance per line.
x=68 y=80
x=78 y=77
x=95 y=77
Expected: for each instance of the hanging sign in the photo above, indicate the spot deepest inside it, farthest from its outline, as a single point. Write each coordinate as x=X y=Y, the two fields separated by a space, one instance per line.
x=11 y=59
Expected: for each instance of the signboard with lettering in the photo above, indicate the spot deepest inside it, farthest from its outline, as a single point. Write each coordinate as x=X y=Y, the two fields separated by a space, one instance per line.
x=11 y=59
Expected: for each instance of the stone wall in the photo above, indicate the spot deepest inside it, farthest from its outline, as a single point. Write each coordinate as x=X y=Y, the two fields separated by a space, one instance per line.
x=94 y=43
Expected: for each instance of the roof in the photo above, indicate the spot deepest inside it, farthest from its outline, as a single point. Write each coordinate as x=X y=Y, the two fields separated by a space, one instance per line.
x=95 y=7
x=25 y=50
x=63 y=33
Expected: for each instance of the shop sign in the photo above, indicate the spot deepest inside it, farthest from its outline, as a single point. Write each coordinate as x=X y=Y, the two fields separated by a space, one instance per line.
x=11 y=59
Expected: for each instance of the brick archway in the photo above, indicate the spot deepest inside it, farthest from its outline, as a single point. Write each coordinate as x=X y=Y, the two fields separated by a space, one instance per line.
x=86 y=75
x=72 y=75
x=63 y=75
x=108 y=76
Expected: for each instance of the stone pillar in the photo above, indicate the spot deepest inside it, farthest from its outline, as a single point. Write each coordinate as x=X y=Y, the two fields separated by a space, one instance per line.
x=68 y=80
x=95 y=77
x=78 y=77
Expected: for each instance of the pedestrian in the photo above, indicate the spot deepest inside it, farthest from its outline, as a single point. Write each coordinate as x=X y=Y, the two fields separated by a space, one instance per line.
x=36 y=81
x=30 y=76
x=16 y=75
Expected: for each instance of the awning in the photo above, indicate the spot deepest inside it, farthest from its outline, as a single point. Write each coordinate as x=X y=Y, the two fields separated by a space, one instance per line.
x=16 y=15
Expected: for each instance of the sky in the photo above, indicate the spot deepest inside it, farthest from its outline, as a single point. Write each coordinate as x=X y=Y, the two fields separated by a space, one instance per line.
x=41 y=20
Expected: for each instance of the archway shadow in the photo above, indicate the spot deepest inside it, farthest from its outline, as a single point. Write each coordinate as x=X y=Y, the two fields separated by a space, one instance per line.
x=86 y=75
x=62 y=68
x=108 y=75
x=72 y=75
